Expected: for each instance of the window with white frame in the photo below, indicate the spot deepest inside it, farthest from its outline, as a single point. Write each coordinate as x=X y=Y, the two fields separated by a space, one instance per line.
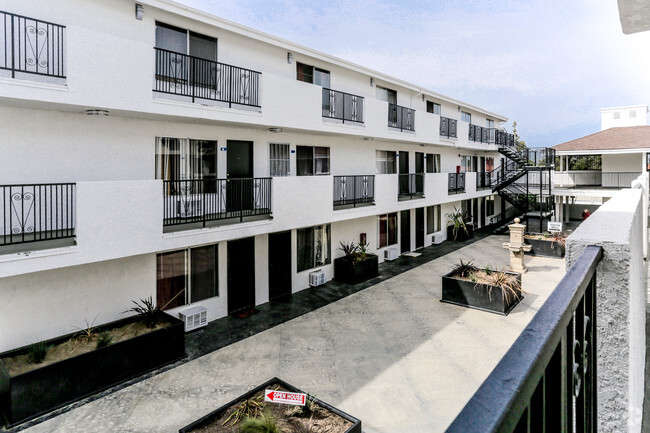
x=433 y=163
x=489 y=123
x=465 y=117
x=433 y=219
x=387 y=229
x=385 y=94
x=310 y=74
x=312 y=160
x=386 y=162
x=465 y=163
x=314 y=247
x=279 y=159
x=432 y=107
x=185 y=159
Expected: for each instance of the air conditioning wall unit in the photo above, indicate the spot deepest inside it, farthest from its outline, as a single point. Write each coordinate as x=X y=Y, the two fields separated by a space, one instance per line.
x=391 y=253
x=316 y=278
x=437 y=238
x=195 y=317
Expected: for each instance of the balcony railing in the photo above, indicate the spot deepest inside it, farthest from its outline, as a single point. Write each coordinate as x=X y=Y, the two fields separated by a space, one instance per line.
x=31 y=46
x=411 y=186
x=401 y=118
x=448 y=127
x=481 y=134
x=540 y=156
x=342 y=106
x=180 y=74
x=202 y=201
x=36 y=212
x=456 y=184
x=547 y=380
x=353 y=191
x=483 y=180
x=595 y=179
x=502 y=138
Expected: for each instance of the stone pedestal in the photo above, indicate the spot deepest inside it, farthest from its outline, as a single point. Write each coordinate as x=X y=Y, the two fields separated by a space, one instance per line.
x=517 y=247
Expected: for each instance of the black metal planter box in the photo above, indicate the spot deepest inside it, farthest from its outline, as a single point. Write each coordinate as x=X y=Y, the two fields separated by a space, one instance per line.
x=356 y=424
x=353 y=273
x=33 y=393
x=479 y=296
x=460 y=234
x=545 y=248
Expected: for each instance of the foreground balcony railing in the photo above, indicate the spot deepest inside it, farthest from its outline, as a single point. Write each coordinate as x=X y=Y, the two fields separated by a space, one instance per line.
x=180 y=74
x=595 y=179
x=342 y=106
x=353 y=191
x=448 y=127
x=202 y=201
x=36 y=212
x=401 y=118
x=547 y=380
x=481 y=134
x=483 y=180
x=502 y=138
x=456 y=184
x=411 y=186
x=31 y=46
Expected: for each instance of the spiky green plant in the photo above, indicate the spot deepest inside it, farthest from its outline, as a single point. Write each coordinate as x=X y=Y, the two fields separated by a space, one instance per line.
x=264 y=424
x=104 y=340
x=350 y=250
x=38 y=352
x=146 y=310
x=509 y=285
x=464 y=270
x=457 y=218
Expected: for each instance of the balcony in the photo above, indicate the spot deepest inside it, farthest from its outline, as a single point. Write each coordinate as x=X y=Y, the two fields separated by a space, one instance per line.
x=354 y=191
x=401 y=118
x=448 y=127
x=196 y=78
x=594 y=179
x=36 y=213
x=483 y=180
x=481 y=134
x=31 y=46
x=203 y=203
x=342 y=106
x=411 y=186
x=503 y=139
x=456 y=183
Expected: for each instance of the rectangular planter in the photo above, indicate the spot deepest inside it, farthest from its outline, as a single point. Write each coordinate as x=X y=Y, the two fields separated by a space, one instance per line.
x=469 y=294
x=356 y=424
x=545 y=248
x=461 y=235
x=33 y=393
x=353 y=273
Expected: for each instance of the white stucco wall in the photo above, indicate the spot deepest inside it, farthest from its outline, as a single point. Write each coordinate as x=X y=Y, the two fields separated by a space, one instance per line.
x=623 y=162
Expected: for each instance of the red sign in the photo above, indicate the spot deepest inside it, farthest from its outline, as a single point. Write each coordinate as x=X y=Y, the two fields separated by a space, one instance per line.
x=283 y=397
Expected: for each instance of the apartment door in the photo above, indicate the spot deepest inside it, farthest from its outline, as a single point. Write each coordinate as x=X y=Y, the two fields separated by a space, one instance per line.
x=239 y=173
x=475 y=212
x=419 y=168
x=279 y=264
x=419 y=228
x=403 y=173
x=405 y=231
x=241 y=275
x=482 y=212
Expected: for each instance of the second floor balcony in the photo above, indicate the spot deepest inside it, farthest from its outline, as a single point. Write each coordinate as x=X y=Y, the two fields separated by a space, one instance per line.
x=598 y=179
x=483 y=180
x=342 y=106
x=481 y=134
x=401 y=118
x=411 y=186
x=456 y=184
x=448 y=127
x=354 y=191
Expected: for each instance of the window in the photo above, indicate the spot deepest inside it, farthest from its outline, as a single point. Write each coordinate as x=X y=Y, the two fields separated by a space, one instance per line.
x=617 y=115
x=310 y=74
x=465 y=163
x=386 y=162
x=432 y=107
x=489 y=205
x=433 y=219
x=584 y=162
x=313 y=247
x=279 y=159
x=195 y=268
x=312 y=160
x=387 y=229
x=647 y=161
x=489 y=123
x=489 y=164
x=465 y=117
x=387 y=95
x=632 y=114
x=433 y=163
x=185 y=159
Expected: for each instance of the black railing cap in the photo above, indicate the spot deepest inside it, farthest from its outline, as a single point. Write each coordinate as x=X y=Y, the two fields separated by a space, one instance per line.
x=33 y=19
x=205 y=60
x=339 y=91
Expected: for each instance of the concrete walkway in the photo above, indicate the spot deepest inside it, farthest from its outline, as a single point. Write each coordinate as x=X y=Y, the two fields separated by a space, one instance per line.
x=391 y=355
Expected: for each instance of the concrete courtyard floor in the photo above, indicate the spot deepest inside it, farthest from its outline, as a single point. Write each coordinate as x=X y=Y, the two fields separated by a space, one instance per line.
x=391 y=355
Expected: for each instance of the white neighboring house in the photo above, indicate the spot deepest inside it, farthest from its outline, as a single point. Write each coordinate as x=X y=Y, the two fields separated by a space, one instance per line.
x=151 y=149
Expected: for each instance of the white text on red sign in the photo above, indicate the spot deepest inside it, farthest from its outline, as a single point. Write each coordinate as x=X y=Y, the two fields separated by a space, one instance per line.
x=285 y=397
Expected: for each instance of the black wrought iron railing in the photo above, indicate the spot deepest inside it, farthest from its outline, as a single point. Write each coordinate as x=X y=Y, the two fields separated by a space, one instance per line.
x=354 y=190
x=502 y=138
x=481 y=134
x=202 y=201
x=36 y=212
x=31 y=46
x=456 y=184
x=411 y=186
x=539 y=156
x=180 y=74
x=448 y=127
x=483 y=180
x=547 y=380
x=342 y=106
x=401 y=118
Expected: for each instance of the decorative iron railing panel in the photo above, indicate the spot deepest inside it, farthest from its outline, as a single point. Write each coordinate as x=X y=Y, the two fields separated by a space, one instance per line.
x=502 y=138
x=547 y=380
x=36 y=212
x=483 y=180
x=481 y=134
x=411 y=185
x=448 y=127
x=456 y=184
x=201 y=201
x=401 y=118
x=354 y=190
x=31 y=46
x=342 y=106
x=180 y=74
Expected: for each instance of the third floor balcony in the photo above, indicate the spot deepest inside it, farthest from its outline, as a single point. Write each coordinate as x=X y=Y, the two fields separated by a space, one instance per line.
x=448 y=127
x=342 y=106
x=401 y=118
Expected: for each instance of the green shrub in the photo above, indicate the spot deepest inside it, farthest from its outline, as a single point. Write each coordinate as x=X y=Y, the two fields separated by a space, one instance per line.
x=38 y=352
x=265 y=424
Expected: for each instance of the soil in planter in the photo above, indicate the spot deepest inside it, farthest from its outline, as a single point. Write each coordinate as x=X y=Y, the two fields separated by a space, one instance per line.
x=481 y=276
x=288 y=422
x=78 y=344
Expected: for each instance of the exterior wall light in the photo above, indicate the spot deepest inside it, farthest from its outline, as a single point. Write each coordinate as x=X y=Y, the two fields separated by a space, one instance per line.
x=372 y=82
x=97 y=112
x=139 y=10
x=275 y=130
x=289 y=58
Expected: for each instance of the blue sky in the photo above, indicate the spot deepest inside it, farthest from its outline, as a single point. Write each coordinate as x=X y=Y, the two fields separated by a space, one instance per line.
x=549 y=65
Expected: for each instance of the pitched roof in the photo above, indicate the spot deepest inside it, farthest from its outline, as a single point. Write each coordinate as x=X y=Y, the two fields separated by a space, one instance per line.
x=628 y=137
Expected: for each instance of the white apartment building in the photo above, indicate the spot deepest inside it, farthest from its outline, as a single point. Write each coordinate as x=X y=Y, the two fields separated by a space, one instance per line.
x=149 y=149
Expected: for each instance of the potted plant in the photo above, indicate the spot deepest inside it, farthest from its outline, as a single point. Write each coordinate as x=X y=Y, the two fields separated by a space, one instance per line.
x=356 y=265
x=44 y=376
x=497 y=291
x=458 y=227
x=251 y=413
x=547 y=244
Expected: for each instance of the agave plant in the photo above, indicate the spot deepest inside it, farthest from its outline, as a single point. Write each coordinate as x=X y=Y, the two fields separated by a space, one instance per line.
x=464 y=270
x=350 y=250
x=457 y=218
x=145 y=309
